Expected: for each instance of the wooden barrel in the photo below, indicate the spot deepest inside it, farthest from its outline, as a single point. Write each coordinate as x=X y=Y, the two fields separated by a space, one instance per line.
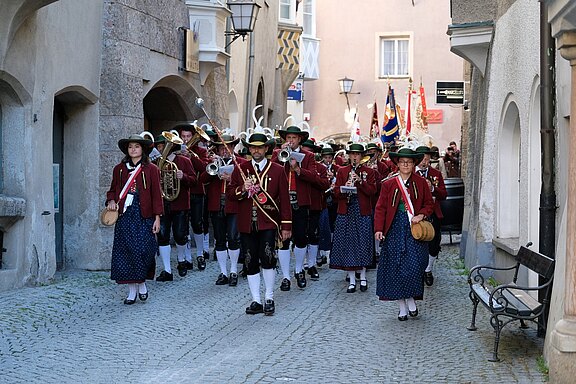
x=453 y=206
x=423 y=231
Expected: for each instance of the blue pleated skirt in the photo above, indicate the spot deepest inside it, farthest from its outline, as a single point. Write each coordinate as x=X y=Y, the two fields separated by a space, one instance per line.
x=135 y=247
x=353 y=242
x=402 y=262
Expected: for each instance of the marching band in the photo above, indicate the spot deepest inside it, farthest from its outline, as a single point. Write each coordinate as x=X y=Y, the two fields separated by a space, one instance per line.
x=282 y=193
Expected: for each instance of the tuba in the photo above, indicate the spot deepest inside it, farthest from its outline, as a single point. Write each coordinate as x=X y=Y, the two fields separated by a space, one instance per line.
x=199 y=134
x=168 y=180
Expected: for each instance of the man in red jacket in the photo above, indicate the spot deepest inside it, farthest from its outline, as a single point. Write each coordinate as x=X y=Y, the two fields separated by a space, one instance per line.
x=261 y=190
x=199 y=158
x=175 y=216
x=223 y=211
x=301 y=174
x=436 y=184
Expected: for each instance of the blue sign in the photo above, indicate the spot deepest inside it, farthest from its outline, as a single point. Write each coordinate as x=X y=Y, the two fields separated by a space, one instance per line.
x=295 y=92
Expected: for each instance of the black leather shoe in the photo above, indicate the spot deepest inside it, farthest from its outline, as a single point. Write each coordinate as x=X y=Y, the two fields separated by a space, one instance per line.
x=182 y=270
x=402 y=318
x=233 y=280
x=189 y=265
x=143 y=296
x=222 y=279
x=269 y=307
x=413 y=313
x=351 y=288
x=129 y=301
x=165 y=276
x=285 y=285
x=301 y=279
x=313 y=272
x=201 y=263
x=428 y=278
x=254 y=308
x=363 y=285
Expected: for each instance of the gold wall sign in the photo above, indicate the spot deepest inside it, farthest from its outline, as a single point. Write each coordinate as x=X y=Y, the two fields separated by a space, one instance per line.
x=191 y=50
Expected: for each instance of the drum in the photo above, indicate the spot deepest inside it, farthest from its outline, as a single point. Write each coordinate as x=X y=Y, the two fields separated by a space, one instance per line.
x=423 y=231
x=108 y=218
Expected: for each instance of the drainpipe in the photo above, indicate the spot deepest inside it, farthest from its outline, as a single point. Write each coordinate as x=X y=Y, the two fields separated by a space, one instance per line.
x=547 y=236
x=248 y=101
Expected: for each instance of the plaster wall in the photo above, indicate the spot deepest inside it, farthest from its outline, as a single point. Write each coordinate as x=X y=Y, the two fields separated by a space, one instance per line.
x=265 y=36
x=513 y=43
x=350 y=47
x=50 y=53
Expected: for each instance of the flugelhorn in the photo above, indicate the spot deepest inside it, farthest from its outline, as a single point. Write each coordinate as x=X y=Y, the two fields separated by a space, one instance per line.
x=169 y=182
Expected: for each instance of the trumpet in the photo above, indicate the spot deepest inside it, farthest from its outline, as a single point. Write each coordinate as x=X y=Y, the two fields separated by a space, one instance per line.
x=287 y=153
x=213 y=168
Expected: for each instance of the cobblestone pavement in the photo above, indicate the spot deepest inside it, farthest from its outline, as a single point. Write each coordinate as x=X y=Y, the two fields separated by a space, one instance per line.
x=190 y=331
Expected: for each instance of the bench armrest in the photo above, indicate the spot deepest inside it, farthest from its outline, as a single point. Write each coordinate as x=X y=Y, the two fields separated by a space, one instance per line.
x=475 y=275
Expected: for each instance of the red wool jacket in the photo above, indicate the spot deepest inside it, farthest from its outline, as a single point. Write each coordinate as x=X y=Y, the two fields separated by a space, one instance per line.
x=366 y=188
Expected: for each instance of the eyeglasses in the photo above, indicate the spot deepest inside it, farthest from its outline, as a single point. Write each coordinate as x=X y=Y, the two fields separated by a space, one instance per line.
x=405 y=162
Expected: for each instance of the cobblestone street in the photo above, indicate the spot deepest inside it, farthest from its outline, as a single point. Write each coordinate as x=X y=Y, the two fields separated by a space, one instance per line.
x=190 y=331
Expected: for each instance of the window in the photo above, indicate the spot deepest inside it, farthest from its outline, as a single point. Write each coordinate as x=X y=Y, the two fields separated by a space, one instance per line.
x=287 y=10
x=308 y=18
x=394 y=57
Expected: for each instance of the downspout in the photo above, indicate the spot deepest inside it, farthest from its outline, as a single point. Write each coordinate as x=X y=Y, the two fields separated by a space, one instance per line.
x=547 y=235
x=248 y=102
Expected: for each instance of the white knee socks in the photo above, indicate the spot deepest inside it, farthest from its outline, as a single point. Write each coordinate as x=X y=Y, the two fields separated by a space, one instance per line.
x=206 y=242
x=254 y=284
x=284 y=259
x=199 y=240
x=181 y=252
x=312 y=254
x=132 y=291
x=165 y=256
x=363 y=274
x=299 y=255
x=188 y=252
x=269 y=279
x=402 y=305
x=411 y=304
x=431 y=260
x=222 y=257
x=352 y=277
x=234 y=255
x=142 y=288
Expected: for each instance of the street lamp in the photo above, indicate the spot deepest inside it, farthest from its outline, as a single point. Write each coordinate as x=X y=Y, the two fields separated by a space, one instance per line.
x=244 y=14
x=346 y=88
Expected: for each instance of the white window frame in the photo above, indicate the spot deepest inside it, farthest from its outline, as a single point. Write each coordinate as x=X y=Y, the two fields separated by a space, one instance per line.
x=311 y=15
x=292 y=11
x=396 y=36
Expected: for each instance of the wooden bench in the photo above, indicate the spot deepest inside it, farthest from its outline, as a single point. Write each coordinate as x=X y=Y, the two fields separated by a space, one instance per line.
x=510 y=302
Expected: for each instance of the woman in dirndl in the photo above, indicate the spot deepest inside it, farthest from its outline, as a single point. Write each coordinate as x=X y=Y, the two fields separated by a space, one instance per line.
x=404 y=199
x=353 y=244
x=135 y=192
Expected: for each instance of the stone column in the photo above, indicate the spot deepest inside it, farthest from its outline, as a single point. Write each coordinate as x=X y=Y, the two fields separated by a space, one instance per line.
x=562 y=359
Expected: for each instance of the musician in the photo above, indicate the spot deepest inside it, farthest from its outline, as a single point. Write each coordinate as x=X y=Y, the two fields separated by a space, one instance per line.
x=382 y=170
x=317 y=204
x=300 y=176
x=328 y=214
x=135 y=192
x=438 y=189
x=389 y=147
x=223 y=212
x=199 y=158
x=404 y=199
x=175 y=218
x=261 y=189
x=353 y=244
x=437 y=162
